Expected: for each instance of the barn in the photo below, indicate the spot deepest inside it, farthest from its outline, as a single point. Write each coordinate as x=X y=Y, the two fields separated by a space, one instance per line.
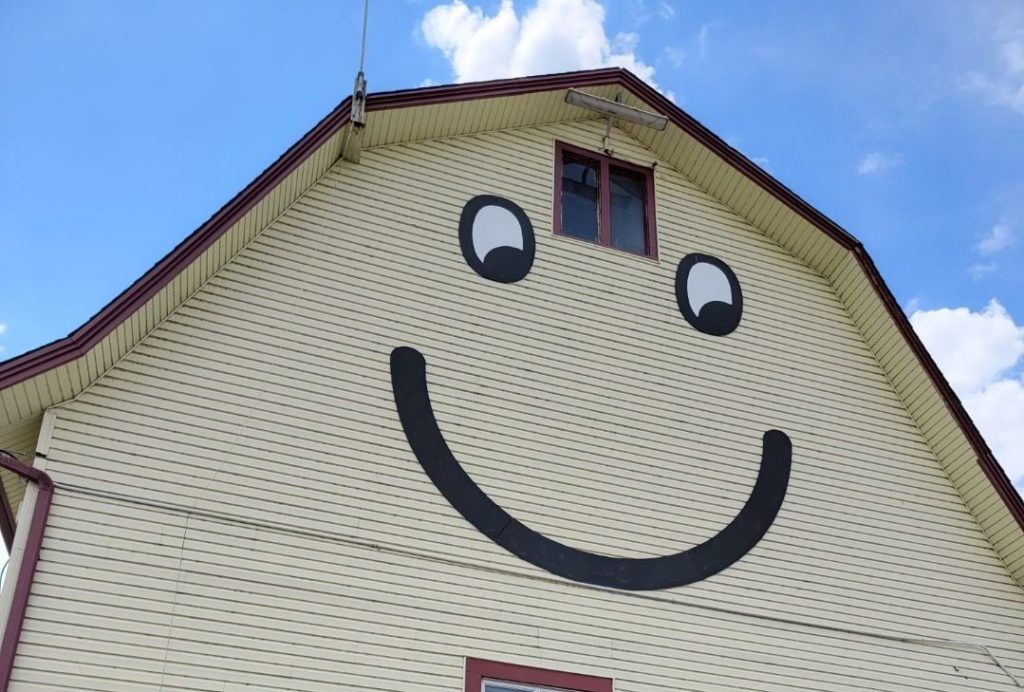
x=513 y=386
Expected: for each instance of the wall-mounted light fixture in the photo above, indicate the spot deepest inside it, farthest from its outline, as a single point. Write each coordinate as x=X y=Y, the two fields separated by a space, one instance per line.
x=616 y=110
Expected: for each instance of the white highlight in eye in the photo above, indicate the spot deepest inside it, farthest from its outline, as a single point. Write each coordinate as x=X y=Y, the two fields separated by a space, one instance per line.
x=705 y=284
x=493 y=227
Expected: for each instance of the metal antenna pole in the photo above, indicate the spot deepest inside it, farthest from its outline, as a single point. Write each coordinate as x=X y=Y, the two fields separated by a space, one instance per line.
x=358 y=116
x=362 y=46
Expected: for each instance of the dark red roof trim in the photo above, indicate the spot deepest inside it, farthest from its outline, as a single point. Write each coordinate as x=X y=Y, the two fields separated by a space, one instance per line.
x=88 y=335
x=80 y=341
x=478 y=670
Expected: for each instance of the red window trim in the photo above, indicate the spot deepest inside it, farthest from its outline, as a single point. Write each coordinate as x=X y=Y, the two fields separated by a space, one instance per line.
x=478 y=670
x=606 y=162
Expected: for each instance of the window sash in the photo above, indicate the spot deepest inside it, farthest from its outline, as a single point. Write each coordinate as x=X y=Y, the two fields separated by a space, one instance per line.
x=504 y=686
x=572 y=157
x=620 y=232
x=606 y=164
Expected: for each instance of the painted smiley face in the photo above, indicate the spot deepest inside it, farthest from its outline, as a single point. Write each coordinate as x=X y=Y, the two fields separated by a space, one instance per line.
x=497 y=242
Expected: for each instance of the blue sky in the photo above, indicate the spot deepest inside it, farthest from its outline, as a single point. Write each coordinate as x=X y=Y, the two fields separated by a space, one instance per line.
x=125 y=125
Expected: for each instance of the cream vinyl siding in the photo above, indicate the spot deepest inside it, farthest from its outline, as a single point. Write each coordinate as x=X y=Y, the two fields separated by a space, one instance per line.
x=683 y=146
x=22 y=404
x=237 y=507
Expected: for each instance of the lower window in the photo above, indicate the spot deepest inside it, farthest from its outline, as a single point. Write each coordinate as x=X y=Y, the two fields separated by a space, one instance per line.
x=490 y=686
x=492 y=676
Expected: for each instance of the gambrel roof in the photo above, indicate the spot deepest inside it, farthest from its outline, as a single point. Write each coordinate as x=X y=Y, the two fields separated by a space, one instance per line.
x=61 y=370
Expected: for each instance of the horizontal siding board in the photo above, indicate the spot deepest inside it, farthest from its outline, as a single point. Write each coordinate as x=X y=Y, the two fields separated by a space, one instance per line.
x=237 y=506
x=651 y=442
x=64 y=382
x=401 y=496
x=342 y=615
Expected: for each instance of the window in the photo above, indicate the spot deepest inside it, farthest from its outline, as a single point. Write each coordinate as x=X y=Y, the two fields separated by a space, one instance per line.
x=491 y=676
x=492 y=686
x=604 y=201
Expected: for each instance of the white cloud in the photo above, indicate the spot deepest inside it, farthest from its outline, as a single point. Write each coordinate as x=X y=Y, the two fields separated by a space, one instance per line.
x=979 y=270
x=550 y=36
x=879 y=162
x=641 y=12
x=704 y=41
x=982 y=354
x=1004 y=84
x=3 y=328
x=972 y=348
x=999 y=238
x=675 y=56
x=998 y=410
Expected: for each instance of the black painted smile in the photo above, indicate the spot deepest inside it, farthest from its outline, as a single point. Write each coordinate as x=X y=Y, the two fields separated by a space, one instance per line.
x=409 y=383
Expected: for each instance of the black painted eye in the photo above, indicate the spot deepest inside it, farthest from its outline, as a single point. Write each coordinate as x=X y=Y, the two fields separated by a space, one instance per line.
x=708 y=294
x=496 y=238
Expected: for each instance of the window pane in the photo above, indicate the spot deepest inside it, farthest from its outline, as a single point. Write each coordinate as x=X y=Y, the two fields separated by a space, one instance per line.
x=628 y=207
x=513 y=687
x=580 y=198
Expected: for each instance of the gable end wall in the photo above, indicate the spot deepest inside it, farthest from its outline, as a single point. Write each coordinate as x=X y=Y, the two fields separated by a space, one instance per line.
x=236 y=502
